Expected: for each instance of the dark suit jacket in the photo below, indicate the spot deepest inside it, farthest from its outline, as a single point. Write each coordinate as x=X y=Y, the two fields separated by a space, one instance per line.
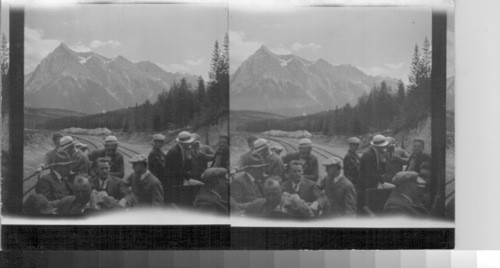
x=399 y=205
x=371 y=172
x=117 y=168
x=308 y=191
x=115 y=187
x=52 y=188
x=157 y=164
x=177 y=168
x=342 y=195
x=148 y=191
x=351 y=167
x=243 y=190
x=311 y=168
x=207 y=201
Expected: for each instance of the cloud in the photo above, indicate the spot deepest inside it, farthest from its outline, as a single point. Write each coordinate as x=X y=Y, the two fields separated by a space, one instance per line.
x=36 y=47
x=181 y=67
x=374 y=71
x=395 y=65
x=110 y=43
x=299 y=46
x=195 y=62
x=79 y=47
x=280 y=50
x=241 y=48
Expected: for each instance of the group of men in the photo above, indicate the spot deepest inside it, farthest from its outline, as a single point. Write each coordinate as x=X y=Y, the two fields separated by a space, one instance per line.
x=268 y=185
x=82 y=182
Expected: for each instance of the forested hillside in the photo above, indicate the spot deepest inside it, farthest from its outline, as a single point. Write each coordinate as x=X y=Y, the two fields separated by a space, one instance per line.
x=182 y=105
x=382 y=108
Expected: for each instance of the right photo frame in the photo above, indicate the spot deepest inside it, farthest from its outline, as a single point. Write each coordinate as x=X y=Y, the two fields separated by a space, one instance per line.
x=342 y=117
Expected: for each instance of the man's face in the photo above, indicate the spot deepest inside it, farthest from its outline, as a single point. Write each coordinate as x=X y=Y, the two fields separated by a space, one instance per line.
x=381 y=150
x=273 y=195
x=82 y=194
x=102 y=170
x=187 y=146
x=418 y=147
x=110 y=148
x=332 y=171
x=158 y=144
x=138 y=168
x=223 y=144
x=305 y=151
x=353 y=147
x=296 y=173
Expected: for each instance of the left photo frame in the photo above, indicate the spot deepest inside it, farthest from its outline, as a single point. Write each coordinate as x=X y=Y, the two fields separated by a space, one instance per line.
x=96 y=99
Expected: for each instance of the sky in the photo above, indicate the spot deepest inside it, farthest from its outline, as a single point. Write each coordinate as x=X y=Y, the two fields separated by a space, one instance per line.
x=379 y=41
x=179 y=38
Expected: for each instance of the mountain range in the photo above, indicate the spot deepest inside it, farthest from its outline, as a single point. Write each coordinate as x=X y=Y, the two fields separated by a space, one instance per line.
x=290 y=85
x=91 y=83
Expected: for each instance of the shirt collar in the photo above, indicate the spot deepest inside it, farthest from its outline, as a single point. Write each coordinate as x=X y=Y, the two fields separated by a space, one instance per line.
x=58 y=176
x=144 y=175
x=252 y=179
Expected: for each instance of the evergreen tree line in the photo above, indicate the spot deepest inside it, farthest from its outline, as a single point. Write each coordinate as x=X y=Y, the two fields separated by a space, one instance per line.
x=382 y=108
x=182 y=105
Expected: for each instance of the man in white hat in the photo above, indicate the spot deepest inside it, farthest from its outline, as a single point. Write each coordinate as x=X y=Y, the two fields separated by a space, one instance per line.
x=67 y=148
x=372 y=168
x=117 y=168
x=352 y=160
x=179 y=161
x=275 y=166
x=407 y=197
x=339 y=190
x=304 y=155
x=157 y=158
x=145 y=186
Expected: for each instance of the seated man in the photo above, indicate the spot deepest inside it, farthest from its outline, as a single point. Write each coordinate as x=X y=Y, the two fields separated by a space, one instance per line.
x=339 y=190
x=49 y=157
x=68 y=148
x=115 y=158
x=247 y=186
x=309 y=161
x=243 y=161
x=306 y=189
x=145 y=186
x=221 y=157
x=56 y=184
x=406 y=198
x=111 y=186
x=418 y=156
x=213 y=196
x=85 y=200
x=277 y=204
x=275 y=164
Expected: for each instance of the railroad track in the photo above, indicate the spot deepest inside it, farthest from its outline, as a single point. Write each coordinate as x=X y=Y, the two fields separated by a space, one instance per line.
x=92 y=141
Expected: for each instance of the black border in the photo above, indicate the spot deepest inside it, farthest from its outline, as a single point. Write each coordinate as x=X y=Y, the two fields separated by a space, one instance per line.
x=38 y=237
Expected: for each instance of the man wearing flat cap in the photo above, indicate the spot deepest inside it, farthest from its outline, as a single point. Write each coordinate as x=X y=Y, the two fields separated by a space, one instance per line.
x=213 y=195
x=67 y=148
x=309 y=161
x=372 y=168
x=406 y=198
x=117 y=168
x=275 y=165
x=339 y=190
x=244 y=158
x=247 y=185
x=56 y=184
x=352 y=161
x=157 y=163
x=145 y=186
x=49 y=157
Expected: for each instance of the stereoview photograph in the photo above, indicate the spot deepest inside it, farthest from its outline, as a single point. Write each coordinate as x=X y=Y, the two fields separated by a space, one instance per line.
x=330 y=118
x=125 y=114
